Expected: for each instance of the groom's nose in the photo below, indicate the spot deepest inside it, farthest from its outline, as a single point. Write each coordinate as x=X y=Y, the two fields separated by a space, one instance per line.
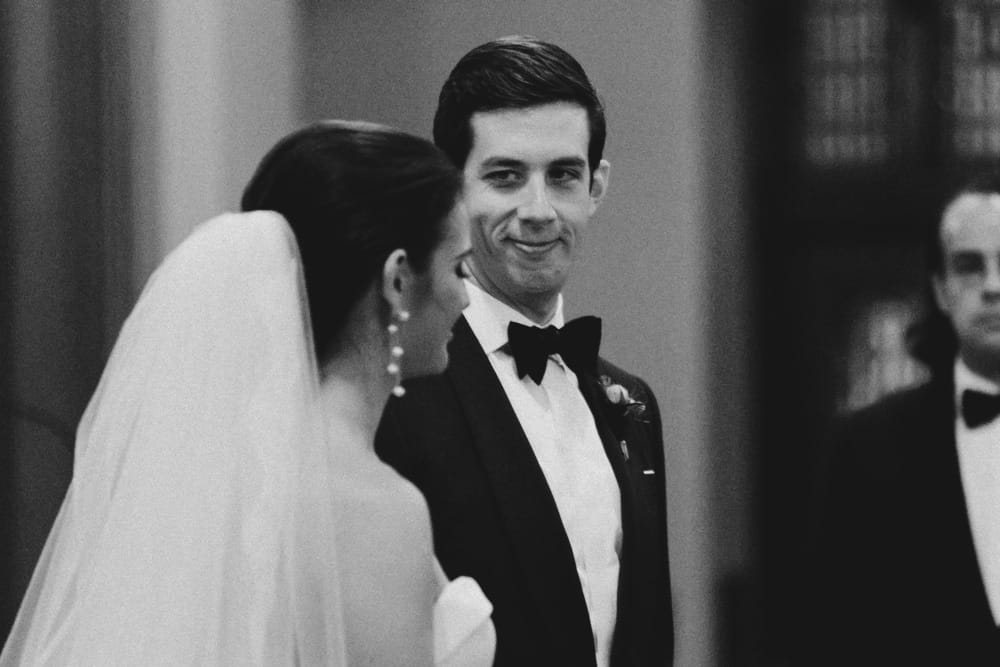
x=536 y=206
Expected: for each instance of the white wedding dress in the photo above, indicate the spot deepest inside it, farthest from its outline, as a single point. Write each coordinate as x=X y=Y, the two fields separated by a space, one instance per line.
x=464 y=635
x=200 y=526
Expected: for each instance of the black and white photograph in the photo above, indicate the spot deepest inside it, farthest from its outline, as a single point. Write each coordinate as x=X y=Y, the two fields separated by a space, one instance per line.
x=520 y=333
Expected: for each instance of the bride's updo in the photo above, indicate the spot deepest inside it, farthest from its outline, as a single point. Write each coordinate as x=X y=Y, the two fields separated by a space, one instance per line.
x=352 y=193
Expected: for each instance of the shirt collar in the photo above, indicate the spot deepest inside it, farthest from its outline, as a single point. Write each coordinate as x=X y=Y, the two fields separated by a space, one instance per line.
x=488 y=317
x=965 y=378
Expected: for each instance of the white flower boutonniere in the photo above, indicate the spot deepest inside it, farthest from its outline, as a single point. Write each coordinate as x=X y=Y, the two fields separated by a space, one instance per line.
x=619 y=396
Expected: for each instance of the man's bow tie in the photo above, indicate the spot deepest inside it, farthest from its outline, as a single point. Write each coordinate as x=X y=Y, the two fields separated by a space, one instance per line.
x=577 y=343
x=979 y=408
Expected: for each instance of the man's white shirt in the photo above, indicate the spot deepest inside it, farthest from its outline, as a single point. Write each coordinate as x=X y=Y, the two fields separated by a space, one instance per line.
x=563 y=435
x=979 y=460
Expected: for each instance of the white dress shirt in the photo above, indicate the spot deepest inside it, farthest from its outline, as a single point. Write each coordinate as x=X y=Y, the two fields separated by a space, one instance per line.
x=979 y=460
x=562 y=433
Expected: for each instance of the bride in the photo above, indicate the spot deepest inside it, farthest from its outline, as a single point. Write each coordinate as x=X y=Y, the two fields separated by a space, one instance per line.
x=226 y=505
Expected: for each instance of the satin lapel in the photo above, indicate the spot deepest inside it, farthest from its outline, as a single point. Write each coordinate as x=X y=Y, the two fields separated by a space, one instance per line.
x=523 y=497
x=606 y=428
x=613 y=433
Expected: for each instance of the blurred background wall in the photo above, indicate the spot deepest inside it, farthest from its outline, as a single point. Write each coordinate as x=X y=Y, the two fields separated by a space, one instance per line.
x=64 y=166
x=125 y=124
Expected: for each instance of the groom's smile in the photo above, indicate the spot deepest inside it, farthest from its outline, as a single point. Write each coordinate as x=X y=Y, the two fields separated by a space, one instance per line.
x=530 y=194
x=535 y=249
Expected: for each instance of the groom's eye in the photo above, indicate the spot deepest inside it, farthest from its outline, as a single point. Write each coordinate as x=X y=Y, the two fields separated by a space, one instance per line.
x=561 y=176
x=504 y=178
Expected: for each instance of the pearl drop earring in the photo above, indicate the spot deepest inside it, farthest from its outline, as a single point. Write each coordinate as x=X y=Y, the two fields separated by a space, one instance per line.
x=396 y=352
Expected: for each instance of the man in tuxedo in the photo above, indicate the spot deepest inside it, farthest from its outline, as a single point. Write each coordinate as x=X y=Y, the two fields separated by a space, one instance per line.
x=908 y=555
x=541 y=462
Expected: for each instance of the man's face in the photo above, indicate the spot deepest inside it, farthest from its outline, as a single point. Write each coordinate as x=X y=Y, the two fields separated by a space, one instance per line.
x=529 y=195
x=968 y=291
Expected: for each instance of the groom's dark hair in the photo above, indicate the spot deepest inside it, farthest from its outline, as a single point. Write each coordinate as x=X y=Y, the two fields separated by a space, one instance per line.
x=353 y=192
x=514 y=72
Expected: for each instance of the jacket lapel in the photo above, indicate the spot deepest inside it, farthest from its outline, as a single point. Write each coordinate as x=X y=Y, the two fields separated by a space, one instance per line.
x=615 y=436
x=529 y=511
x=609 y=427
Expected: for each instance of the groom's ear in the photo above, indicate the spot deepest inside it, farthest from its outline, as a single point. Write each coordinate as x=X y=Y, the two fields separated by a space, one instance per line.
x=397 y=276
x=599 y=184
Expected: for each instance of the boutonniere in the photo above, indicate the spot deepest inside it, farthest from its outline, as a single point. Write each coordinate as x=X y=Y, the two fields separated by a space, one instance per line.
x=620 y=397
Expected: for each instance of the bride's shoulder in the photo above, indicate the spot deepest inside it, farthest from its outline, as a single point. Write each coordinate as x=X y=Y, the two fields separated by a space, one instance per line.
x=375 y=490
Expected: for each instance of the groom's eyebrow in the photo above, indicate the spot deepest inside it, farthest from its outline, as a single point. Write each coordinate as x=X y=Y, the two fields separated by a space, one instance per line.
x=499 y=161
x=570 y=163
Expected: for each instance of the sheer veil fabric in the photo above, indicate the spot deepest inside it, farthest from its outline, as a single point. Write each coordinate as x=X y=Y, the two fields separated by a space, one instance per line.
x=198 y=526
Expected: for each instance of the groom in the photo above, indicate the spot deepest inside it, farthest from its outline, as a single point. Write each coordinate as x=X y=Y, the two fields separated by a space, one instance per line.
x=542 y=464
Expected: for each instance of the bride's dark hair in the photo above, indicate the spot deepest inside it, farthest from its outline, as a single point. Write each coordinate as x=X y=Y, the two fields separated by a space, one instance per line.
x=352 y=193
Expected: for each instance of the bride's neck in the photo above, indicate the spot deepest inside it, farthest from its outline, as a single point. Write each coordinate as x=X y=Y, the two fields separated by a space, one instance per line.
x=353 y=392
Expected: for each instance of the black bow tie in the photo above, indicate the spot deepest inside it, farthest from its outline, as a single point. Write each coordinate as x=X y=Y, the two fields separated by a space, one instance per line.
x=577 y=343
x=979 y=408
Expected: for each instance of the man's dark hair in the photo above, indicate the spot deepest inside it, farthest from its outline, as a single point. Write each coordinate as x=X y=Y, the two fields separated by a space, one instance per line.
x=352 y=193
x=933 y=340
x=513 y=73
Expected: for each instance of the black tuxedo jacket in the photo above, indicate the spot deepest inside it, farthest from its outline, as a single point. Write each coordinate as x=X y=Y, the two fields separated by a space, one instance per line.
x=897 y=580
x=457 y=438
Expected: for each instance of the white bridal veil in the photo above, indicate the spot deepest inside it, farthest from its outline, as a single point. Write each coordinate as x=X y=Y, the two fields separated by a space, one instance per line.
x=197 y=528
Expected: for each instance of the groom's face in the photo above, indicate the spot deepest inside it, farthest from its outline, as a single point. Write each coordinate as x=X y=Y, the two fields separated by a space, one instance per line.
x=529 y=193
